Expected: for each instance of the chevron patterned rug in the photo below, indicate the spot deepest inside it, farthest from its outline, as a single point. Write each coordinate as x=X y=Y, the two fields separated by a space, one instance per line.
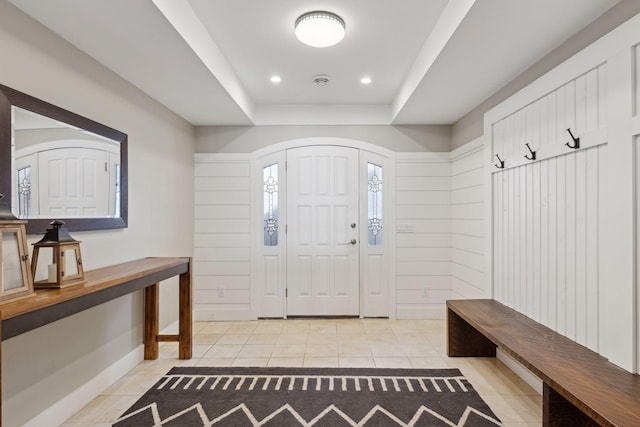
x=281 y=397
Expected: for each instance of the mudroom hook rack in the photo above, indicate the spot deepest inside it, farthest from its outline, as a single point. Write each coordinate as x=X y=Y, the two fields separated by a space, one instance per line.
x=531 y=156
x=576 y=141
x=500 y=164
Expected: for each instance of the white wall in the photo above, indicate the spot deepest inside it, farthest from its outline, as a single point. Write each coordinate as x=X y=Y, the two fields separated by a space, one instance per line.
x=55 y=369
x=247 y=139
x=562 y=226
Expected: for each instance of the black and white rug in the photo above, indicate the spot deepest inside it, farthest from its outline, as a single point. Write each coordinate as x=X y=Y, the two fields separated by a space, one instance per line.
x=279 y=397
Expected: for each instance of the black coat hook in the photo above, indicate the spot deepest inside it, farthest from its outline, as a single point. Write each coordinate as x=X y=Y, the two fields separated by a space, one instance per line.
x=576 y=141
x=501 y=163
x=533 y=153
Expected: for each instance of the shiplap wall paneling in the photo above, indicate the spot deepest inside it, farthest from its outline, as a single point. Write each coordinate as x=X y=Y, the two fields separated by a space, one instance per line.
x=547 y=218
x=222 y=252
x=578 y=104
x=467 y=222
x=423 y=226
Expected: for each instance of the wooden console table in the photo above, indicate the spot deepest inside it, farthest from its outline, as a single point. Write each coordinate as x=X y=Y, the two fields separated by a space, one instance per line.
x=102 y=285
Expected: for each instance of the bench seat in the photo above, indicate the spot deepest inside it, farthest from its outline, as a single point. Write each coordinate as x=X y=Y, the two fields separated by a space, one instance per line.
x=580 y=387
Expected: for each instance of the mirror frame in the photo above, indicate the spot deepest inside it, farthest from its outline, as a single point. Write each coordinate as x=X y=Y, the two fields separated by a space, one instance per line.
x=11 y=97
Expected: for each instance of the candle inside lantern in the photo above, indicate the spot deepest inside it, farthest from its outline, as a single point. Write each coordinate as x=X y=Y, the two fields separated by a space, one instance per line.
x=53 y=273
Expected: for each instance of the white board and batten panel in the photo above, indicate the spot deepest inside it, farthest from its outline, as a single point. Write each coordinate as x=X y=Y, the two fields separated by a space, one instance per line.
x=467 y=222
x=562 y=247
x=546 y=225
x=546 y=212
x=222 y=252
x=423 y=234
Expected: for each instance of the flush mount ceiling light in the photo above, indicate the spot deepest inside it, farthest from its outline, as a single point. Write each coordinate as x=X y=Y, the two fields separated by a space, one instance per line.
x=320 y=29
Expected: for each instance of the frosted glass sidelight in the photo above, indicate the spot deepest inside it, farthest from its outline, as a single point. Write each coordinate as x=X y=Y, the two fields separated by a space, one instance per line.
x=270 y=207
x=374 y=211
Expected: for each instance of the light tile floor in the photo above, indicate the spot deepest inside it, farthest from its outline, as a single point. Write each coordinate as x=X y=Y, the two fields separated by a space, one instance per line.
x=323 y=343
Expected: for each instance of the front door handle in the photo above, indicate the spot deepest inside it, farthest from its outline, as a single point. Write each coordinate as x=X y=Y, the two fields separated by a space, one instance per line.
x=352 y=242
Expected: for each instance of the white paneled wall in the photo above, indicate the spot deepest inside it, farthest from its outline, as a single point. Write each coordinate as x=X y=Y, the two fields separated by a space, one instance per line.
x=222 y=253
x=578 y=105
x=467 y=222
x=547 y=219
x=423 y=225
x=547 y=212
x=564 y=226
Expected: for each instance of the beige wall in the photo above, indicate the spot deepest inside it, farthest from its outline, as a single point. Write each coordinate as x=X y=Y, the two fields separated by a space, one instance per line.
x=45 y=365
x=470 y=126
x=246 y=139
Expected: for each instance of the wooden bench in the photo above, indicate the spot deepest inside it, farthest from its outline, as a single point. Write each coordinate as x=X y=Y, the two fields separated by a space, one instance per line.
x=580 y=387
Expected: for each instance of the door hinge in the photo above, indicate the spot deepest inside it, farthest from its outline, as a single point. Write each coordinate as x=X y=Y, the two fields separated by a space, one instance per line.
x=106 y=167
x=286 y=228
x=286 y=292
x=286 y=165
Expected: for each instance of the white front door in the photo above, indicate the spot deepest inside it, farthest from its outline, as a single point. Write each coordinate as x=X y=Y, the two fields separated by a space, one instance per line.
x=322 y=231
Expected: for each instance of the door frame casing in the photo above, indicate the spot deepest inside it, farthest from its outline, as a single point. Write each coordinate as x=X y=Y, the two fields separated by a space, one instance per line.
x=367 y=153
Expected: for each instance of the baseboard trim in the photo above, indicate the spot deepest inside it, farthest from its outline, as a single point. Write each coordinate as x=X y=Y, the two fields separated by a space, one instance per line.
x=206 y=315
x=64 y=408
x=520 y=371
x=421 y=311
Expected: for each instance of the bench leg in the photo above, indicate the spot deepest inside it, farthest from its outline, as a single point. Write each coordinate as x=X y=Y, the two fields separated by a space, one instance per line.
x=465 y=341
x=558 y=411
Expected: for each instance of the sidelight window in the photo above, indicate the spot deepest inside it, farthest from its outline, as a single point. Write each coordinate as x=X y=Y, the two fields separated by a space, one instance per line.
x=374 y=214
x=270 y=207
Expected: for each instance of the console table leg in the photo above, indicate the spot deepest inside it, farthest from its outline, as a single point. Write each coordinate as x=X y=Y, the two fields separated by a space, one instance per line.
x=151 y=321
x=0 y=370
x=185 y=321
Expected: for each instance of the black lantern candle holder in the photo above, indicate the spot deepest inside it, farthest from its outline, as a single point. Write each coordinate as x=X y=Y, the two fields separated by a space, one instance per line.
x=66 y=262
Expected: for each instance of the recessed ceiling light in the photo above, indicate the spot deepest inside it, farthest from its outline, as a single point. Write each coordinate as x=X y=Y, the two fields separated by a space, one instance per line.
x=320 y=28
x=275 y=79
x=365 y=80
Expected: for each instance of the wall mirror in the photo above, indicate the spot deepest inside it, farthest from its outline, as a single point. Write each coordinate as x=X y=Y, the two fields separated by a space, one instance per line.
x=55 y=164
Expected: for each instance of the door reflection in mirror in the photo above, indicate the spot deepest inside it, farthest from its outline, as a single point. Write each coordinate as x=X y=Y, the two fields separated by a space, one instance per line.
x=61 y=171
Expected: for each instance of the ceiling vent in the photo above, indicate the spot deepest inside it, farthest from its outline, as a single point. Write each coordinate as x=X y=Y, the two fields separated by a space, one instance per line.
x=321 y=80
